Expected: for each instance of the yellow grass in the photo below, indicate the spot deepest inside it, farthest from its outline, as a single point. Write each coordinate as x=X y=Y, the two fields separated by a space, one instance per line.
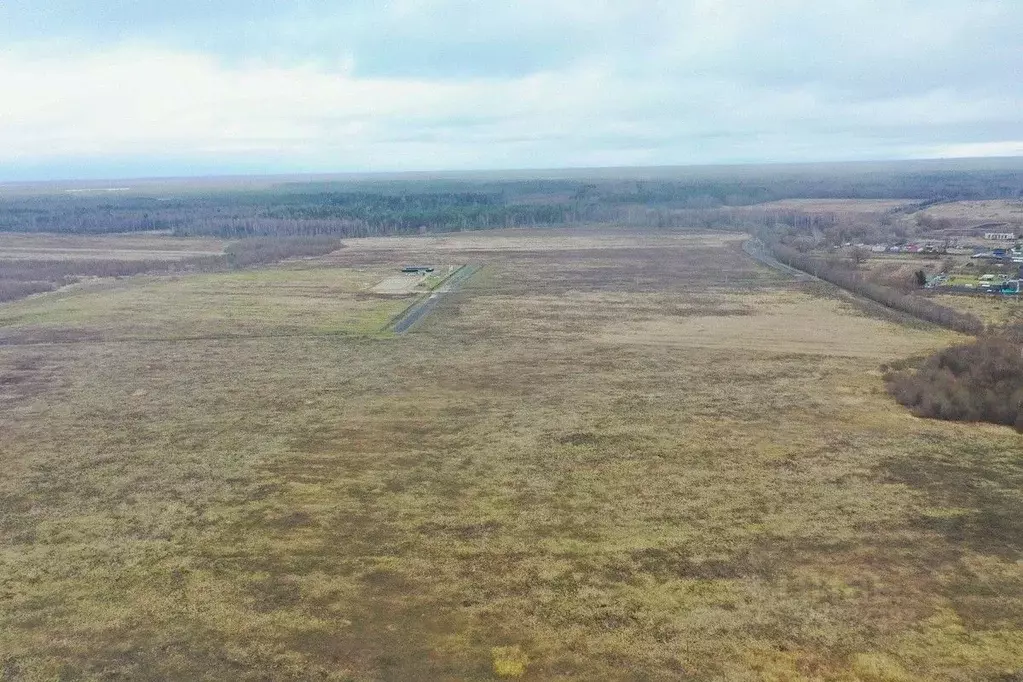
x=993 y=310
x=838 y=206
x=19 y=246
x=786 y=322
x=522 y=239
x=990 y=210
x=590 y=464
x=296 y=299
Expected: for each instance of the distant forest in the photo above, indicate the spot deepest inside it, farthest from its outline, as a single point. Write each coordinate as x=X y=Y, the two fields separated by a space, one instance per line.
x=385 y=207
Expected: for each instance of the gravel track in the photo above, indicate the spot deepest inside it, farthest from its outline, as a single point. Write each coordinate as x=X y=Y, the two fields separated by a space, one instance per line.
x=421 y=308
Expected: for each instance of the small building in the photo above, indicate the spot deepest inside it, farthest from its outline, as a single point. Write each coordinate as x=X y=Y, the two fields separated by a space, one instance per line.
x=417 y=269
x=1000 y=236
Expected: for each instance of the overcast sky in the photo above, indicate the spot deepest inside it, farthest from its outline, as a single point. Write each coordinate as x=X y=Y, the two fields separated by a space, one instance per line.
x=92 y=88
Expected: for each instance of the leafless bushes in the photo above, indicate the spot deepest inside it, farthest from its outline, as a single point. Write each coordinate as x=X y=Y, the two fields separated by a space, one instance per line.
x=11 y=290
x=916 y=306
x=272 y=250
x=982 y=381
x=24 y=277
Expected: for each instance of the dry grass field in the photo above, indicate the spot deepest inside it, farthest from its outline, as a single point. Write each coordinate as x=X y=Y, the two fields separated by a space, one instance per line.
x=18 y=246
x=610 y=456
x=976 y=212
x=994 y=310
x=294 y=299
x=840 y=207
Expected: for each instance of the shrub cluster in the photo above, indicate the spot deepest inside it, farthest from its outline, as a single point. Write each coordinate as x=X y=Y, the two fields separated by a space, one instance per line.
x=272 y=250
x=981 y=381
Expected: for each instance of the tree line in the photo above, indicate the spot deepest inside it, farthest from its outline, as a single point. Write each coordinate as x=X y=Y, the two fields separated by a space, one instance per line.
x=917 y=306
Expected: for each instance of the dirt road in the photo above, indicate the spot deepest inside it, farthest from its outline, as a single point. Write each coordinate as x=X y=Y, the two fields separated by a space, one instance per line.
x=418 y=310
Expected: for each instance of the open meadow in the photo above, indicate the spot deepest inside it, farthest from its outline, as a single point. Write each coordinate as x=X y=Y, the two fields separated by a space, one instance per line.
x=21 y=246
x=979 y=212
x=41 y=262
x=611 y=455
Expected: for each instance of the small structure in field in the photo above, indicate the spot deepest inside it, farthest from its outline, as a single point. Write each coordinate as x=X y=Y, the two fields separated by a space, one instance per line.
x=1000 y=236
x=417 y=269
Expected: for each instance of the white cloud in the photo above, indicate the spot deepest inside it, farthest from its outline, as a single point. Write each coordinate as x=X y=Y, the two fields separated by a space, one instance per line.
x=134 y=100
x=449 y=84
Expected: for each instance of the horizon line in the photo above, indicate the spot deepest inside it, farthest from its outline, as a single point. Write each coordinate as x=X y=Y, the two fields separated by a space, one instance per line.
x=460 y=173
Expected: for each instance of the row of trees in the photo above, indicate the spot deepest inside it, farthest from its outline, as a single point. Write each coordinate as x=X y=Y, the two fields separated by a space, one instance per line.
x=283 y=213
x=272 y=250
x=917 y=306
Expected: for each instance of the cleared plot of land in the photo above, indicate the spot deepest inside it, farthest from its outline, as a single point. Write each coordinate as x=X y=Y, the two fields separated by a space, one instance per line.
x=994 y=210
x=900 y=270
x=540 y=478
